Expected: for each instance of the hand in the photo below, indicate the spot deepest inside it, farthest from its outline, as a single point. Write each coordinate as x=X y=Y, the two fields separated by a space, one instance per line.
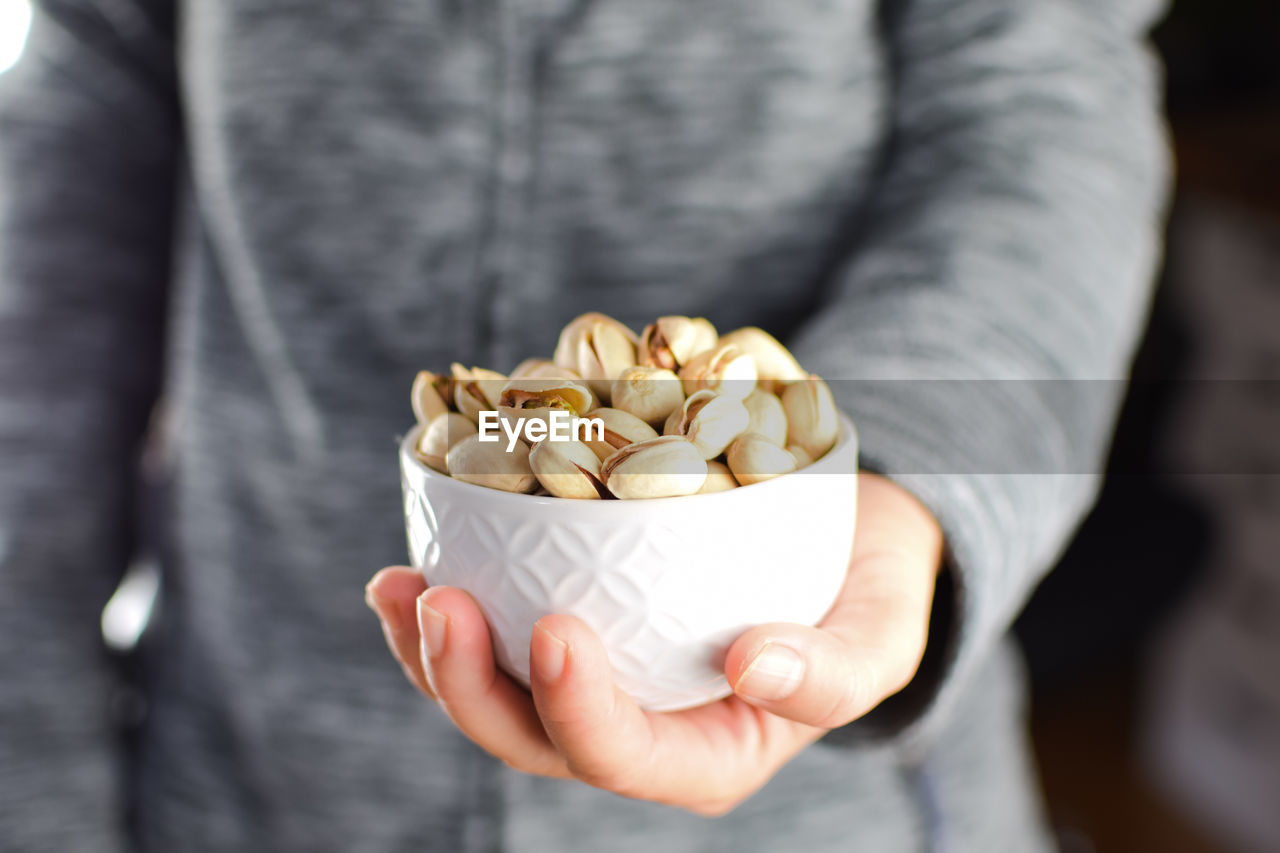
x=791 y=683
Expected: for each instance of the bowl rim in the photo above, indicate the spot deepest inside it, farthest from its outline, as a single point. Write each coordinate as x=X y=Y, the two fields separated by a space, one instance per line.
x=848 y=435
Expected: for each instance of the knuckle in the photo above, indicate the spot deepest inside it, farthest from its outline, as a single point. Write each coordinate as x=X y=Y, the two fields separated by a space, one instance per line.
x=624 y=769
x=900 y=675
x=602 y=776
x=721 y=797
x=868 y=682
x=536 y=765
x=852 y=700
x=898 y=664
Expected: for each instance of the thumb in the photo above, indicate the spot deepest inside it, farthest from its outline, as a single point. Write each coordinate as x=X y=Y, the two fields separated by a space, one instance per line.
x=866 y=649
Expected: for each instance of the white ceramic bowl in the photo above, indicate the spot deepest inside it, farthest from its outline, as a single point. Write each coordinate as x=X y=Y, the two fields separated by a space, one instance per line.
x=667 y=584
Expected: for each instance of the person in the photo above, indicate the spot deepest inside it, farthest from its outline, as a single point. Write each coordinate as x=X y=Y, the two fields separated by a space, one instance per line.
x=273 y=214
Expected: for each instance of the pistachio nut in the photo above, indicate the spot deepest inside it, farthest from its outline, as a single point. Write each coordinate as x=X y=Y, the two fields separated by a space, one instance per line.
x=803 y=459
x=649 y=393
x=719 y=479
x=776 y=367
x=812 y=422
x=753 y=459
x=672 y=342
x=620 y=429
x=440 y=436
x=709 y=421
x=489 y=463
x=597 y=348
x=542 y=368
x=534 y=398
x=567 y=469
x=476 y=390
x=431 y=396
x=766 y=416
x=663 y=467
x=545 y=392
x=723 y=368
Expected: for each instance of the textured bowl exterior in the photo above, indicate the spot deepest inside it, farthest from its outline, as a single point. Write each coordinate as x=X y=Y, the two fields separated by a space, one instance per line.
x=667 y=584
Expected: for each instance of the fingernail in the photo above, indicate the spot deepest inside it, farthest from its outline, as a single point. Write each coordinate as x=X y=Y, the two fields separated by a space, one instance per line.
x=548 y=657
x=773 y=674
x=434 y=627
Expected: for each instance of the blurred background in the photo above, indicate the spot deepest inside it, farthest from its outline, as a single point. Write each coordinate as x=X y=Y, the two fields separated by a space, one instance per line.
x=1155 y=646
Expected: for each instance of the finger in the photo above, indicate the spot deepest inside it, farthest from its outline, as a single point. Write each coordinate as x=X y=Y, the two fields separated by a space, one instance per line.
x=705 y=759
x=867 y=649
x=393 y=595
x=870 y=643
x=606 y=739
x=485 y=704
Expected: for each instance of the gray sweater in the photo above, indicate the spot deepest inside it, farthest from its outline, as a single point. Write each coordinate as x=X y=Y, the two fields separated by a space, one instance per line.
x=275 y=213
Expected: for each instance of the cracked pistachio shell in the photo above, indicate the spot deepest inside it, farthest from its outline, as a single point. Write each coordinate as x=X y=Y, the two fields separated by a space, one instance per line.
x=597 y=348
x=709 y=421
x=766 y=416
x=753 y=459
x=441 y=435
x=664 y=467
x=620 y=429
x=671 y=342
x=431 y=396
x=719 y=479
x=534 y=398
x=546 y=393
x=476 y=390
x=567 y=469
x=649 y=393
x=776 y=367
x=803 y=459
x=724 y=368
x=487 y=463
x=542 y=368
x=812 y=422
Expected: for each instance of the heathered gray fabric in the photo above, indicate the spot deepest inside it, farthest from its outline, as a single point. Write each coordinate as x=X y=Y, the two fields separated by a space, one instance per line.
x=318 y=199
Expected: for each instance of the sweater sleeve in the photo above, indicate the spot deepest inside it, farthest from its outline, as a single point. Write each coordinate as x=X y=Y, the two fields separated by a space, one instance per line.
x=981 y=328
x=88 y=146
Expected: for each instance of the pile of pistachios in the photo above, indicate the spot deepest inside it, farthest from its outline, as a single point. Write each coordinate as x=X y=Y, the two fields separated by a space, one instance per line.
x=676 y=410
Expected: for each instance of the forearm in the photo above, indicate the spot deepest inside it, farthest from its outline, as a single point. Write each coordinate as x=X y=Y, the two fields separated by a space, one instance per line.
x=1013 y=237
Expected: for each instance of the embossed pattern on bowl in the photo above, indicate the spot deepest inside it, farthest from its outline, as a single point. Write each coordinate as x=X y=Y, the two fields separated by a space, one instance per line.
x=668 y=584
